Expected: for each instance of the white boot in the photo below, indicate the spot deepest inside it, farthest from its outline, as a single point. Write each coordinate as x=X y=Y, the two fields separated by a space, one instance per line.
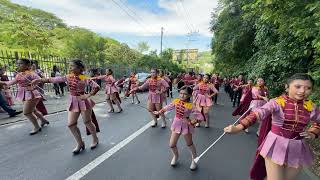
x=154 y=124
x=174 y=161
x=164 y=124
x=193 y=165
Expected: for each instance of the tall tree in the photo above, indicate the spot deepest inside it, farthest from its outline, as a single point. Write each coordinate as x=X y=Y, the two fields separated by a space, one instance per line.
x=143 y=47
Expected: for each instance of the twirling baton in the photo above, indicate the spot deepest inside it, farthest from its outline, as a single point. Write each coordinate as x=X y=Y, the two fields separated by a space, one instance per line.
x=198 y=158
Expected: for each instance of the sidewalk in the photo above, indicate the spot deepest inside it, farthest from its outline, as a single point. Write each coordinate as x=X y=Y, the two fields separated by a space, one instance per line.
x=52 y=104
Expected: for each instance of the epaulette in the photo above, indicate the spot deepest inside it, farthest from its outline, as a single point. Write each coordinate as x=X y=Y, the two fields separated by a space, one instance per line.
x=188 y=105
x=176 y=101
x=308 y=105
x=281 y=101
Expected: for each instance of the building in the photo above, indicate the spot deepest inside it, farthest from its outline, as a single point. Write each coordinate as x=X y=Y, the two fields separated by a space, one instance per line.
x=185 y=55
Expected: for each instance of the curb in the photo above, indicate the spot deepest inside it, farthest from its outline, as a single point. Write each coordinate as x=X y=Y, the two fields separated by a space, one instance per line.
x=24 y=119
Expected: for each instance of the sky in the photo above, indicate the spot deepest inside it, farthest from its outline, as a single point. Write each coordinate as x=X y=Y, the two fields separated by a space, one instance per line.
x=186 y=23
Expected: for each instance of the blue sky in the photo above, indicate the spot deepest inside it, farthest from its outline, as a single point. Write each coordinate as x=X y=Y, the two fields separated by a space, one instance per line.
x=133 y=21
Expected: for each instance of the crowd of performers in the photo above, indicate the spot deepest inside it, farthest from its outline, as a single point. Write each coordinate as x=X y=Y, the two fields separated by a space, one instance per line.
x=282 y=151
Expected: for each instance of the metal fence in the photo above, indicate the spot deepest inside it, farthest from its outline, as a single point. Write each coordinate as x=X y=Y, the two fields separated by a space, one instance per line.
x=46 y=62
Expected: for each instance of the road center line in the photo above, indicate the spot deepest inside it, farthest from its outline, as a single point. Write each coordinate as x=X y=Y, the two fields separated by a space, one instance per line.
x=93 y=164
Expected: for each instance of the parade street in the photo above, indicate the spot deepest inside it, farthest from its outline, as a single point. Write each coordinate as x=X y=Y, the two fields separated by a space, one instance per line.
x=128 y=150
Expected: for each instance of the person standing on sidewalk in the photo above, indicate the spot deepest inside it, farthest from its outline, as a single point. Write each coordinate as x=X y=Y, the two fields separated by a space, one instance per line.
x=79 y=102
x=27 y=93
x=4 y=105
x=56 y=73
x=6 y=92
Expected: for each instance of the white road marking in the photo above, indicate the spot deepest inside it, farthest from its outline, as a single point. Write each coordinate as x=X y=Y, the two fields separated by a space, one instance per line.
x=89 y=167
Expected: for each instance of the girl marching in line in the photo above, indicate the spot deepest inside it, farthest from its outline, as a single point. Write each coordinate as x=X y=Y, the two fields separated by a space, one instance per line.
x=79 y=102
x=163 y=76
x=40 y=106
x=157 y=86
x=246 y=90
x=245 y=100
x=111 y=90
x=259 y=96
x=28 y=94
x=185 y=118
x=134 y=83
x=282 y=148
x=195 y=92
x=203 y=100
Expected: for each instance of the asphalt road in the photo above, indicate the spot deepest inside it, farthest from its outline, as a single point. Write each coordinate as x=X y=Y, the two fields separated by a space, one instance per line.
x=147 y=156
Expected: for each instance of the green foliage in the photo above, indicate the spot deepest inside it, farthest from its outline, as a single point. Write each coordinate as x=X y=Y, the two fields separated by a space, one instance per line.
x=143 y=47
x=204 y=62
x=33 y=30
x=152 y=60
x=271 y=39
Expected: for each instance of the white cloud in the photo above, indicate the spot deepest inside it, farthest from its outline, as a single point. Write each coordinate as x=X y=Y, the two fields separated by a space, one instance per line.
x=105 y=16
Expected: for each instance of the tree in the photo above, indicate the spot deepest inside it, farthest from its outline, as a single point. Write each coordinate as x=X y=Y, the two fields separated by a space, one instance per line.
x=270 y=39
x=143 y=47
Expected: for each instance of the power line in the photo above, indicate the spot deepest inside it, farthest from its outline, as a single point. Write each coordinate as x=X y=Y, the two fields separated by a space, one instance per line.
x=188 y=14
x=132 y=17
x=135 y=14
x=185 y=21
x=137 y=20
x=149 y=5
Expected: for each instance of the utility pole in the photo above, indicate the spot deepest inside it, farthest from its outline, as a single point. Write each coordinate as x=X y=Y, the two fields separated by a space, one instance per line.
x=161 y=41
x=189 y=34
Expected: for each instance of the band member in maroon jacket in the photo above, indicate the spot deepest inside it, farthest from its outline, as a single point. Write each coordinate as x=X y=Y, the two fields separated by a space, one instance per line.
x=188 y=79
x=237 y=90
x=215 y=80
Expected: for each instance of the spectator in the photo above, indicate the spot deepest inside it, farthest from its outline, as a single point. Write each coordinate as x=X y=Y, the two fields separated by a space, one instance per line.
x=56 y=86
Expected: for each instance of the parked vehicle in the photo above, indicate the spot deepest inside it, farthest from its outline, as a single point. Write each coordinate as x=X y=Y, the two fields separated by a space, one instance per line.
x=142 y=77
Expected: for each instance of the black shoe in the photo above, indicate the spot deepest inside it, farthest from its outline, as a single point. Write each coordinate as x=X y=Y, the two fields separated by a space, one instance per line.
x=120 y=111
x=44 y=123
x=77 y=151
x=154 y=125
x=35 y=132
x=94 y=146
x=15 y=113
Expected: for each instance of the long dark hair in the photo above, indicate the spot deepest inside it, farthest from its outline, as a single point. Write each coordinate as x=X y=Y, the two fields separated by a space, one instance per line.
x=155 y=69
x=109 y=70
x=25 y=61
x=79 y=63
x=188 y=89
x=300 y=76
